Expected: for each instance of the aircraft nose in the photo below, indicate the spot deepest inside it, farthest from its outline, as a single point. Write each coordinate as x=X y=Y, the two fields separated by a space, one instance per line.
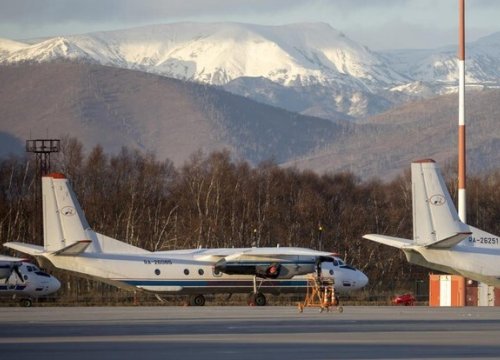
x=362 y=279
x=54 y=285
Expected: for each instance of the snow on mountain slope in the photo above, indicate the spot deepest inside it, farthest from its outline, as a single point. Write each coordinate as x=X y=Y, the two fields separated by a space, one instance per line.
x=220 y=52
x=9 y=46
x=329 y=74
x=439 y=66
x=295 y=56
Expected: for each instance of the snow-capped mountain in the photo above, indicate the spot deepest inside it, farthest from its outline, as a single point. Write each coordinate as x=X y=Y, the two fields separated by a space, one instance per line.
x=438 y=68
x=292 y=56
x=309 y=68
x=217 y=53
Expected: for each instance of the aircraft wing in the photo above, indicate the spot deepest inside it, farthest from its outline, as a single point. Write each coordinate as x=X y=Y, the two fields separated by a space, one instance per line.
x=241 y=257
x=399 y=243
x=270 y=253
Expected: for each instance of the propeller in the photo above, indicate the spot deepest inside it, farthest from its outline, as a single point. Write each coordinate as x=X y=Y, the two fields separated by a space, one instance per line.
x=15 y=269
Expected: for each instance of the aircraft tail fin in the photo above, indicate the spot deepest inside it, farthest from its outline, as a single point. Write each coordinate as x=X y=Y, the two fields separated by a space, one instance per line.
x=435 y=220
x=66 y=231
x=64 y=222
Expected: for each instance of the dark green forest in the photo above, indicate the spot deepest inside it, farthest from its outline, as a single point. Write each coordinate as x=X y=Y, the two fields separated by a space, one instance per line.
x=214 y=200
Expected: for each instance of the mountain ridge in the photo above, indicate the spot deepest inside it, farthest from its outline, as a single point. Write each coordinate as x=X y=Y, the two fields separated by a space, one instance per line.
x=174 y=119
x=296 y=55
x=330 y=74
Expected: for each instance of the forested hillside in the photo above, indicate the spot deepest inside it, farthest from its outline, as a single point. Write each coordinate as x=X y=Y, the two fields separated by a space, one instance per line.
x=214 y=201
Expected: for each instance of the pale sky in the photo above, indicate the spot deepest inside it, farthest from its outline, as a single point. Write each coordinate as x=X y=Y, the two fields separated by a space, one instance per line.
x=379 y=24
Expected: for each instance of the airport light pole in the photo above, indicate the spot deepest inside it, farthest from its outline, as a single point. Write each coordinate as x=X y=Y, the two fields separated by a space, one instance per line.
x=42 y=148
x=461 y=114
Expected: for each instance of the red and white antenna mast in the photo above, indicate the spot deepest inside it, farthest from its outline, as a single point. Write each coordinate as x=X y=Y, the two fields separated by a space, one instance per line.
x=461 y=113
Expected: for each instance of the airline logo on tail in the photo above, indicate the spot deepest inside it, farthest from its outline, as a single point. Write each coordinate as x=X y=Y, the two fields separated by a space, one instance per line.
x=64 y=221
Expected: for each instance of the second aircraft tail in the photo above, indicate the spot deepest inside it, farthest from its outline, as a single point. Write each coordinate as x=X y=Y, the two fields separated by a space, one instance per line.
x=435 y=220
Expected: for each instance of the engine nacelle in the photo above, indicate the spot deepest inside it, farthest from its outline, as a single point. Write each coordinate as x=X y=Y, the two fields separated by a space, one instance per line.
x=266 y=271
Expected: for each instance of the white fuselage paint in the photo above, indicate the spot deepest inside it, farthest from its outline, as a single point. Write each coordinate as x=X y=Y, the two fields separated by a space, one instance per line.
x=34 y=282
x=178 y=274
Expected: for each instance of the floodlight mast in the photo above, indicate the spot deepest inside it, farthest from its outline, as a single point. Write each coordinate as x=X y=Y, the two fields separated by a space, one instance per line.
x=42 y=148
x=461 y=115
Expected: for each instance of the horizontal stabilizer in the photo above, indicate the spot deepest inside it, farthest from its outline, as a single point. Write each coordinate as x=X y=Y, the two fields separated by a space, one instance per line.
x=389 y=240
x=9 y=259
x=30 y=249
x=448 y=242
x=74 y=249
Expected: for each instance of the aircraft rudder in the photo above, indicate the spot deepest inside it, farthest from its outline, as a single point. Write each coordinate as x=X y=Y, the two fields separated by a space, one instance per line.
x=435 y=217
x=63 y=220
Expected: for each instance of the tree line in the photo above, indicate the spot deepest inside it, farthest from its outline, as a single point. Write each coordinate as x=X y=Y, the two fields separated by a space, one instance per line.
x=214 y=200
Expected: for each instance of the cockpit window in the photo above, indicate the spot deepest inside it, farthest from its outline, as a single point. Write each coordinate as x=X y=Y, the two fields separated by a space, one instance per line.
x=335 y=262
x=341 y=262
x=41 y=273
x=348 y=267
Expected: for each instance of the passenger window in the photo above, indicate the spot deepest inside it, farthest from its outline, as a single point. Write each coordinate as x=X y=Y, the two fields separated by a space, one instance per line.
x=201 y=272
x=186 y=272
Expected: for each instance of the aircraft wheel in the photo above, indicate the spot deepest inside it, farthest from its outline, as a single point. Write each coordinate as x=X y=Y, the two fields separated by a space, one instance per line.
x=197 y=300
x=260 y=299
x=340 y=309
x=26 y=302
x=257 y=299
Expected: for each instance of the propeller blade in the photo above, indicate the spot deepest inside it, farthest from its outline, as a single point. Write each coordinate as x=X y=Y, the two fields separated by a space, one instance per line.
x=15 y=269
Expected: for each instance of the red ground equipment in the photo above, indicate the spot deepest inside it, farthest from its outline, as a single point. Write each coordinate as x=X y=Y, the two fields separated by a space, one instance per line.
x=405 y=299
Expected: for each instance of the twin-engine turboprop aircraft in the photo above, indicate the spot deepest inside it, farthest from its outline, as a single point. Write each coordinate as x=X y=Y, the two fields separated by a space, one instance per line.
x=440 y=240
x=22 y=279
x=70 y=244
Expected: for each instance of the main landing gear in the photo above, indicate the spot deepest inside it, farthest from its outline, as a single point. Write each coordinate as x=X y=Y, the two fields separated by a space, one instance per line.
x=197 y=300
x=256 y=298
x=25 y=302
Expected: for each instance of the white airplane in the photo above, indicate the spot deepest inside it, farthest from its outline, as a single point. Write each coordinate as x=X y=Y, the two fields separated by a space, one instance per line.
x=22 y=279
x=440 y=240
x=70 y=244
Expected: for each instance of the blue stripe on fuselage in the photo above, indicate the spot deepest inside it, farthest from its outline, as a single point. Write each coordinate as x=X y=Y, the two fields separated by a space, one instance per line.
x=213 y=283
x=7 y=287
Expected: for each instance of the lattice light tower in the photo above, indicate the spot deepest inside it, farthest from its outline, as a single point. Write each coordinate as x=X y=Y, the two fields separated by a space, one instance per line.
x=42 y=148
x=462 y=212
